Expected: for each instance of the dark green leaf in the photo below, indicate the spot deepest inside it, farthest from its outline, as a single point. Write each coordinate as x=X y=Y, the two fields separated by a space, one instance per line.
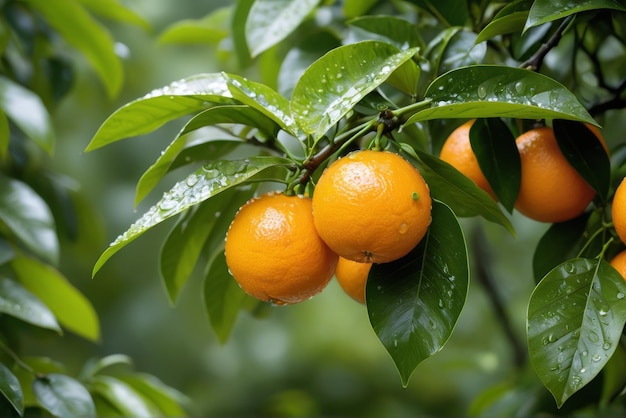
x=414 y=303
x=336 y=82
x=354 y=8
x=459 y=192
x=28 y=112
x=209 y=180
x=436 y=48
x=576 y=316
x=96 y=366
x=112 y=9
x=236 y=114
x=28 y=217
x=209 y=29
x=165 y=398
x=449 y=12
x=63 y=396
x=271 y=21
x=585 y=153
x=6 y=251
x=498 y=158
x=71 y=308
x=123 y=397
x=544 y=11
x=80 y=30
x=4 y=133
x=511 y=18
x=240 y=16
x=462 y=50
x=560 y=242
x=391 y=29
x=162 y=105
x=11 y=389
x=22 y=304
x=485 y=91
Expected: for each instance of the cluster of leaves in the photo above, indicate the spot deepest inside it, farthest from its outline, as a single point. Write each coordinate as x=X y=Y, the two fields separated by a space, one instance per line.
x=342 y=75
x=40 y=208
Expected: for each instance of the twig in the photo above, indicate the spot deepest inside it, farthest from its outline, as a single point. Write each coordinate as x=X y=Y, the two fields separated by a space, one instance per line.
x=534 y=63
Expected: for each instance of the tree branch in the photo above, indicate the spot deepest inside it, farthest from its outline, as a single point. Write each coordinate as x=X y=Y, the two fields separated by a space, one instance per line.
x=534 y=63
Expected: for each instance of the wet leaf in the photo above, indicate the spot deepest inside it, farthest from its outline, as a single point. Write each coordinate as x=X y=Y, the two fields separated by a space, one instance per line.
x=162 y=105
x=462 y=50
x=11 y=389
x=336 y=82
x=271 y=21
x=71 y=308
x=122 y=396
x=544 y=11
x=436 y=48
x=209 y=180
x=486 y=91
x=210 y=29
x=576 y=315
x=28 y=218
x=414 y=303
x=391 y=29
x=19 y=303
x=63 y=396
x=4 y=134
x=27 y=111
x=449 y=12
x=510 y=19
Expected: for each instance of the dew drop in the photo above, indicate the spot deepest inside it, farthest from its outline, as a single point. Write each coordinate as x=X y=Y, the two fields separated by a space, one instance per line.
x=482 y=92
x=593 y=337
x=583 y=370
x=596 y=357
x=167 y=204
x=570 y=268
x=395 y=342
x=519 y=87
x=440 y=303
x=606 y=345
x=585 y=353
x=620 y=295
x=403 y=228
x=192 y=180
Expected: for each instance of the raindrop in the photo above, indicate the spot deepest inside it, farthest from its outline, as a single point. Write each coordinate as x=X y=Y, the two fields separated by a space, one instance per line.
x=596 y=357
x=519 y=87
x=192 y=180
x=606 y=345
x=593 y=337
x=482 y=92
x=602 y=312
x=620 y=295
x=583 y=370
x=395 y=342
x=570 y=268
x=339 y=75
x=585 y=353
x=167 y=204
x=440 y=303
x=403 y=228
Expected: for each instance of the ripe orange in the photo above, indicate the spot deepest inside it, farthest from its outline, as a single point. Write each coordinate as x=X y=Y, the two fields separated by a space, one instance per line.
x=273 y=250
x=457 y=151
x=618 y=211
x=619 y=263
x=352 y=276
x=551 y=190
x=371 y=206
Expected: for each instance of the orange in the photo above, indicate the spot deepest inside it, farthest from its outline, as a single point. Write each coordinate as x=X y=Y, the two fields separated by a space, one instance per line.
x=457 y=151
x=352 y=277
x=273 y=250
x=371 y=206
x=551 y=189
x=618 y=211
x=619 y=263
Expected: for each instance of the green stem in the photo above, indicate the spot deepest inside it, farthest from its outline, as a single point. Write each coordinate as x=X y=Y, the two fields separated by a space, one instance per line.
x=16 y=358
x=404 y=113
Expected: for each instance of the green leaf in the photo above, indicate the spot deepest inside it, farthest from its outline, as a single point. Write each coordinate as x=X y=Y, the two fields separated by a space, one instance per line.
x=112 y=9
x=4 y=133
x=79 y=29
x=544 y=11
x=487 y=91
x=22 y=304
x=162 y=105
x=63 y=396
x=448 y=12
x=560 y=242
x=510 y=19
x=576 y=316
x=11 y=389
x=462 y=50
x=210 y=29
x=436 y=48
x=585 y=153
x=498 y=158
x=238 y=28
x=271 y=21
x=122 y=396
x=28 y=217
x=614 y=378
x=336 y=82
x=209 y=180
x=455 y=189
x=28 y=112
x=354 y=8
x=391 y=29
x=95 y=366
x=414 y=303
x=71 y=308
x=165 y=398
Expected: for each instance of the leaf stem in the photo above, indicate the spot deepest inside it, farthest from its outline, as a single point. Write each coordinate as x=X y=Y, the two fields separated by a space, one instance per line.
x=16 y=358
x=404 y=113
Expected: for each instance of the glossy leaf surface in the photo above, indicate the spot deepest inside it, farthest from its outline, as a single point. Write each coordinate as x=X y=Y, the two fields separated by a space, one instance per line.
x=209 y=180
x=19 y=303
x=114 y=10
x=576 y=315
x=122 y=396
x=11 y=389
x=165 y=398
x=484 y=91
x=63 y=396
x=211 y=28
x=414 y=303
x=511 y=18
x=544 y=11
x=333 y=84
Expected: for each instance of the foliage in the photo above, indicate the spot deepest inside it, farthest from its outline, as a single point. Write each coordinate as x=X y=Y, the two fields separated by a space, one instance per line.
x=40 y=209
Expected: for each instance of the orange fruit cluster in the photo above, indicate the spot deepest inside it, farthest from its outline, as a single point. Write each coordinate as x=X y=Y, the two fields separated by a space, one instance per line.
x=367 y=207
x=618 y=213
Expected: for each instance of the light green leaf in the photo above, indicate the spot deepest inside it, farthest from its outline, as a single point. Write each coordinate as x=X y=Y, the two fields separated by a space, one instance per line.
x=354 y=8
x=210 y=29
x=484 y=91
x=414 y=303
x=95 y=366
x=4 y=133
x=28 y=217
x=63 y=396
x=209 y=180
x=28 y=112
x=575 y=319
x=510 y=19
x=165 y=398
x=22 y=304
x=544 y=11
x=271 y=21
x=112 y=9
x=71 y=308
x=70 y=19
x=162 y=105
x=11 y=389
x=122 y=396
x=336 y=82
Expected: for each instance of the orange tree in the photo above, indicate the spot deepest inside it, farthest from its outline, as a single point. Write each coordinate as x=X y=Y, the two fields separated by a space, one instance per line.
x=317 y=79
